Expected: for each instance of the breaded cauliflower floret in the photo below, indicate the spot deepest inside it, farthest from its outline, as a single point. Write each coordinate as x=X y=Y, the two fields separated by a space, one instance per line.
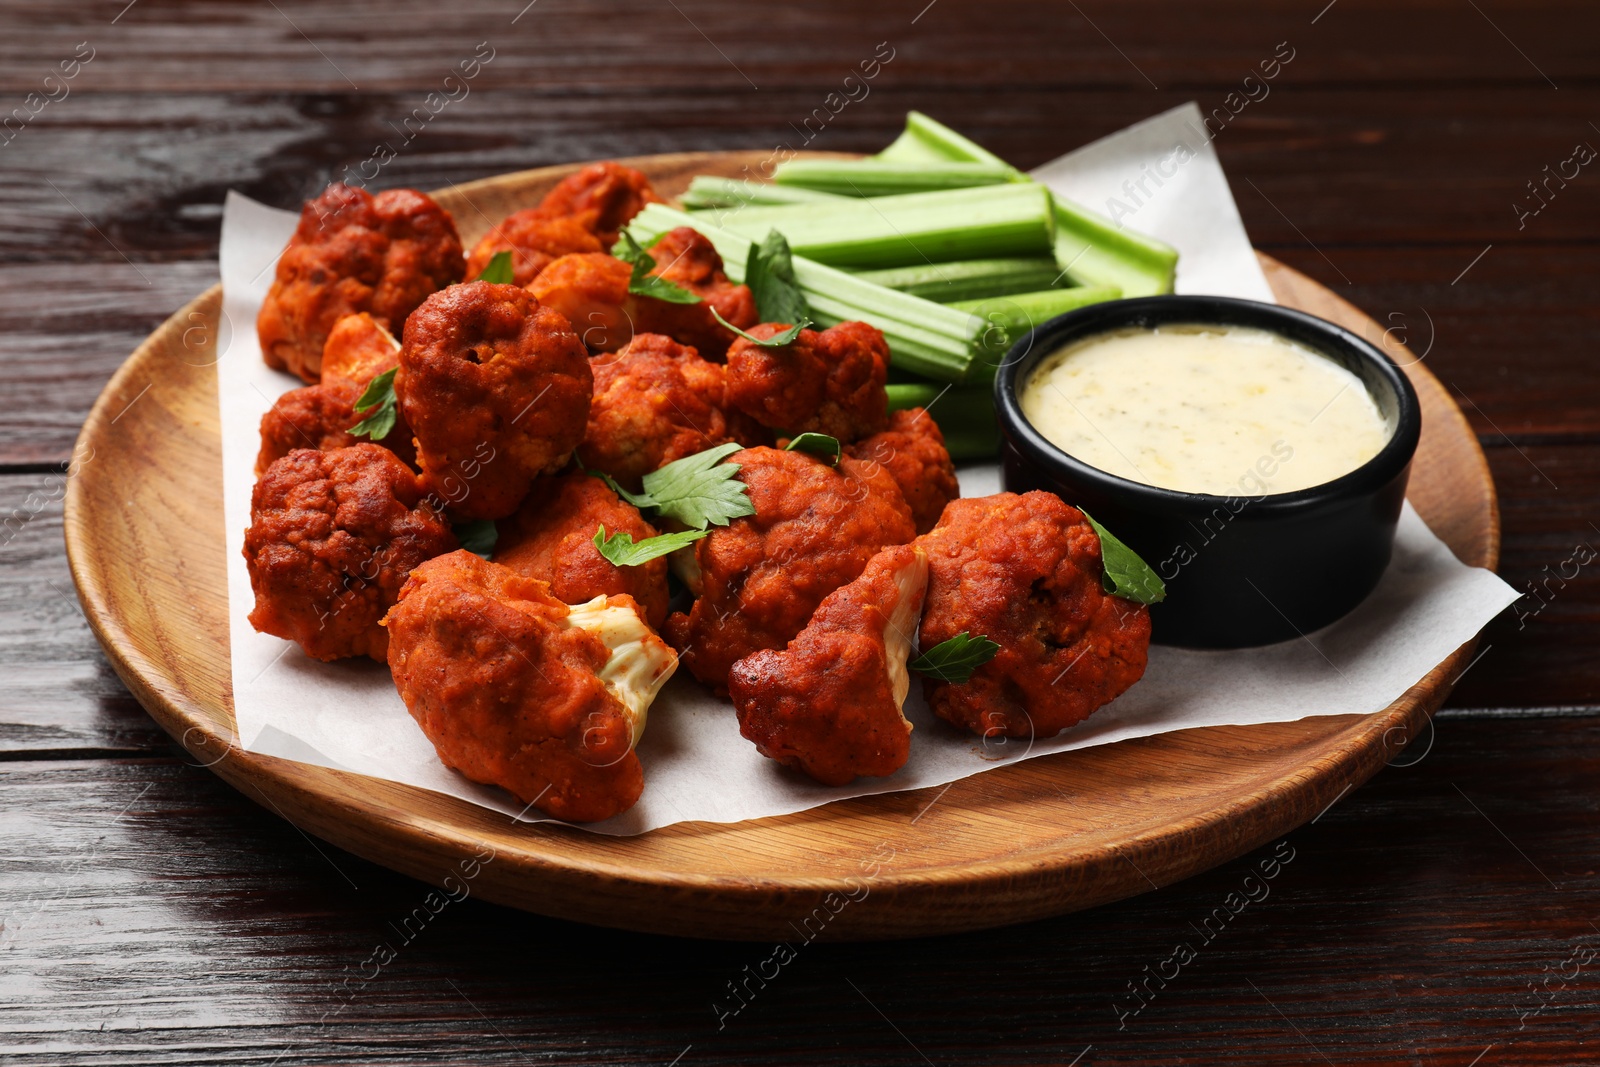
x=1025 y=572
x=763 y=575
x=592 y=291
x=912 y=450
x=551 y=537
x=496 y=390
x=516 y=689
x=354 y=252
x=317 y=416
x=332 y=537
x=601 y=197
x=829 y=382
x=830 y=702
x=657 y=401
x=535 y=240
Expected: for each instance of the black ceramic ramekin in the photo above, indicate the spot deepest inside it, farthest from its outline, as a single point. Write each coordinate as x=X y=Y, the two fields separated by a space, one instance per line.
x=1240 y=570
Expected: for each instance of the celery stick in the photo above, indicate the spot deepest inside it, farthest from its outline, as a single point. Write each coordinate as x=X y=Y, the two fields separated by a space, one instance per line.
x=970 y=279
x=964 y=413
x=1092 y=249
x=926 y=338
x=896 y=231
x=1008 y=318
x=877 y=177
x=927 y=141
x=706 y=191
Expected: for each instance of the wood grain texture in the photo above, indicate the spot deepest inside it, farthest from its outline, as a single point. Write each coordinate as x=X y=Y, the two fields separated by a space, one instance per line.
x=155 y=915
x=1040 y=838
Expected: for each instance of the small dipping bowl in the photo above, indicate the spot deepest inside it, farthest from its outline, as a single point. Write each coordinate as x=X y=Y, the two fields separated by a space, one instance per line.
x=1240 y=570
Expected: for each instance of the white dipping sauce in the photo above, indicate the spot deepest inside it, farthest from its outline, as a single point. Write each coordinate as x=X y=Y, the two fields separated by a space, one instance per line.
x=1226 y=410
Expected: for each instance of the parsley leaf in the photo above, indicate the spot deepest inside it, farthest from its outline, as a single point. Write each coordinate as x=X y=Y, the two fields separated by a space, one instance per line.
x=377 y=398
x=1126 y=575
x=700 y=490
x=477 y=536
x=955 y=660
x=642 y=282
x=776 y=341
x=499 y=269
x=621 y=550
x=818 y=444
x=638 y=500
x=769 y=272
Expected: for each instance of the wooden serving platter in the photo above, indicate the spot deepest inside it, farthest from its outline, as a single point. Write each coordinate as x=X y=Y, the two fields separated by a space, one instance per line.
x=144 y=534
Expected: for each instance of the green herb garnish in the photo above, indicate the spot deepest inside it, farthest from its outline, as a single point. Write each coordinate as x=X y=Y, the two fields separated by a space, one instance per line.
x=621 y=550
x=477 y=536
x=769 y=272
x=1126 y=575
x=818 y=444
x=775 y=341
x=955 y=660
x=377 y=398
x=698 y=490
x=642 y=282
x=499 y=269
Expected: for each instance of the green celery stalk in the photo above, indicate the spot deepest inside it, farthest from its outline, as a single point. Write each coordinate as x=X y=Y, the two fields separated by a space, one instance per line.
x=926 y=140
x=1009 y=318
x=964 y=413
x=878 y=177
x=1093 y=250
x=970 y=279
x=1089 y=247
x=924 y=338
x=895 y=231
x=706 y=191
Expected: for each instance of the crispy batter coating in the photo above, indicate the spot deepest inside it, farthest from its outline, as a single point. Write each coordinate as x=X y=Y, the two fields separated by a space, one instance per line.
x=496 y=390
x=687 y=258
x=762 y=576
x=551 y=537
x=359 y=349
x=332 y=537
x=1025 y=572
x=535 y=239
x=657 y=401
x=912 y=450
x=829 y=382
x=317 y=416
x=830 y=702
x=354 y=252
x=508 y=692
x=592 y=291
x=602 y=197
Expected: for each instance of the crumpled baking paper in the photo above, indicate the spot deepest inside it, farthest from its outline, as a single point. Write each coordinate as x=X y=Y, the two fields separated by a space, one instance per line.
x=697 y=768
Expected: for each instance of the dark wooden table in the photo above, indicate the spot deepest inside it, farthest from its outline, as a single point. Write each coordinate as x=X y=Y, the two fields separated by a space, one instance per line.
x=1443 y=914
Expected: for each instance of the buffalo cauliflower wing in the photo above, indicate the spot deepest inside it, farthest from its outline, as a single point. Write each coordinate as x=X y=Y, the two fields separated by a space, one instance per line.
x=318 y=416
x=592 y=291
x=496 y=390
x=551 y=537
x=354 y=252
x=601 y=197
x=517 y=689
x=830 y=702
x=332 y=537
x=829 y=381
x=535 y=239
x=1025 y=572
x=762 y=576
x=656 y=401
x=912 y=450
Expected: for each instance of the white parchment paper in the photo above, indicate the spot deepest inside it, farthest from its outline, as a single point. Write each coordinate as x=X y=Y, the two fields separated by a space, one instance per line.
x=697 y=767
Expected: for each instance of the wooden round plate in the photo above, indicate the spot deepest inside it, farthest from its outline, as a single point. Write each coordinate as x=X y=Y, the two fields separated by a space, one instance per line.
x=144 y=533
